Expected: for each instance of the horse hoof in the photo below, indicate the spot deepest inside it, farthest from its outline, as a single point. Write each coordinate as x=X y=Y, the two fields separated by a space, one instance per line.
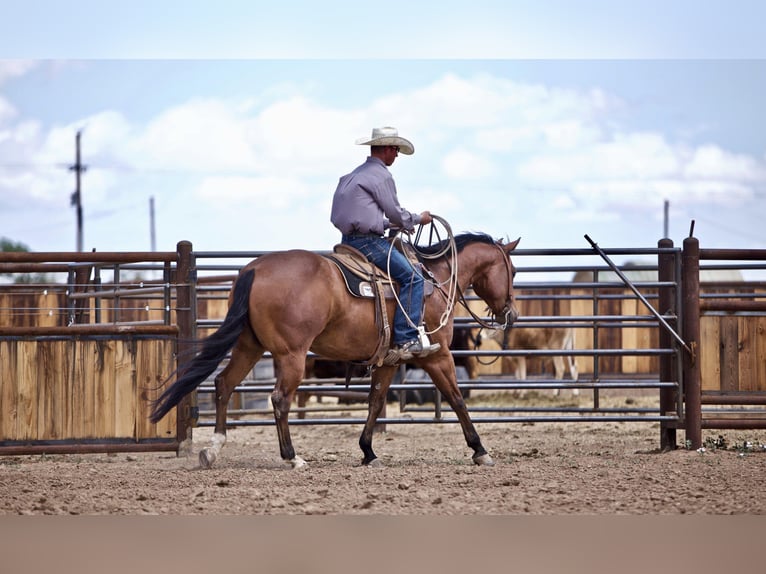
x=375 y=463
x=483 y=460
x=298 y=462
x=206 y=458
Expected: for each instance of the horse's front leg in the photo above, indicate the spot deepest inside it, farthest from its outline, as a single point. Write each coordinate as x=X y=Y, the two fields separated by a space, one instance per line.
x=380 y=381
x=289 y=371
x=441 y=368
x=243 y=358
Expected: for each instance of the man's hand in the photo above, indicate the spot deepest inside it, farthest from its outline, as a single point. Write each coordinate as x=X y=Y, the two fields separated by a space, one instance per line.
x=425 y=218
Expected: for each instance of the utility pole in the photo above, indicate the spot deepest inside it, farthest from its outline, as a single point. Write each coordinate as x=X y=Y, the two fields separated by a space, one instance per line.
x=76 y=198
x=153 y=234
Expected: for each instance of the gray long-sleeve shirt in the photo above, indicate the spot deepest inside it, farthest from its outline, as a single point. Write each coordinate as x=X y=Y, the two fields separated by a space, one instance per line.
x=365 y=201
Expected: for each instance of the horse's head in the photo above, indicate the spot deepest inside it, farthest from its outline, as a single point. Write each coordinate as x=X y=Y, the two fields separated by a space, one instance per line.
x=495 y=284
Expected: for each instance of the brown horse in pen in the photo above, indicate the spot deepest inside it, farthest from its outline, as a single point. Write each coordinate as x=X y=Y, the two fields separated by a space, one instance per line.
x=291 y=302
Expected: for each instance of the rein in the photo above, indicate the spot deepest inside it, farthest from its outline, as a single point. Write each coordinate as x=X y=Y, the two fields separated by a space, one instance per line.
x=477 y=342
x=506 y=309
x=449 y=296
x=454 y=292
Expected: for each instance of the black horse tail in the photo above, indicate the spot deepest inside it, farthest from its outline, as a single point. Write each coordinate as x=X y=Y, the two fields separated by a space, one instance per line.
x=214 y=350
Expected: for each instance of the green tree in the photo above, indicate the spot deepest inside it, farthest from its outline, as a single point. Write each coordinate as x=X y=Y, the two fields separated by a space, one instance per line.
x=7 y=245
x=10 y=246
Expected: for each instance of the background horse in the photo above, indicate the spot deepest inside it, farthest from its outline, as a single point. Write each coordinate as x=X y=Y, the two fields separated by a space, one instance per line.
x=291 y=302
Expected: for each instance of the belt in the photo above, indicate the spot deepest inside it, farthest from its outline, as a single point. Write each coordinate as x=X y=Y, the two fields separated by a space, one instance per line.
x=362 y=235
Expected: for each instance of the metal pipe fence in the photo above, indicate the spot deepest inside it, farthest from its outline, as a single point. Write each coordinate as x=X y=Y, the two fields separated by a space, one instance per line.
x=558 y=290
x=622 y=346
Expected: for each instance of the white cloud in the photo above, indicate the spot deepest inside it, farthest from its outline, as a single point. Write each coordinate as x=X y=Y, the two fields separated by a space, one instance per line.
x=635 y=166
x=15 y=68
x=199 y=135
x=710 y=162
x=251 y=192
x=7 y=111
x=466 y=165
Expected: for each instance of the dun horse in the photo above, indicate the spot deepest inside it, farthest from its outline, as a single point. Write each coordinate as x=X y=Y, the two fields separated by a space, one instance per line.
x=291 y=302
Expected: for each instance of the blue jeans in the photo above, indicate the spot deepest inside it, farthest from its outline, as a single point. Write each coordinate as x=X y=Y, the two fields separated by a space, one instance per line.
x=410 y=281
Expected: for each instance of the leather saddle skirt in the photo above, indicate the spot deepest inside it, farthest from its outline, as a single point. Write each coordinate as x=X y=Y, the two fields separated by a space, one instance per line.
x=358 y=273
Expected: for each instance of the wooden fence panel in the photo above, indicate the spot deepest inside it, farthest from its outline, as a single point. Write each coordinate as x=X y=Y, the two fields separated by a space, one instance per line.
x=125 y=393
x=709 y=354
x=759 y=355
x=733 y=353
x=79 y=389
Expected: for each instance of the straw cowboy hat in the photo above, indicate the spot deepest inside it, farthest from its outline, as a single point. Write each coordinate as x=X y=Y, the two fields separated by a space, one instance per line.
x=388 y=136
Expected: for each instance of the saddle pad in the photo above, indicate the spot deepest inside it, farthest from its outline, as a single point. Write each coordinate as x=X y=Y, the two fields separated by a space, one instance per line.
x=357 y=272
x=355 y=284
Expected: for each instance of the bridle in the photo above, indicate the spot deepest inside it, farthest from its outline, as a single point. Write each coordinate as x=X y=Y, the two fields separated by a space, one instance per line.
x=506 y=310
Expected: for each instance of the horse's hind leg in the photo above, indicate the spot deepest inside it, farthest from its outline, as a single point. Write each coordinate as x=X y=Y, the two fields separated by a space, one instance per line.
x=442 y=373
x=289 y=371
x=381 y=380
x=243 y=357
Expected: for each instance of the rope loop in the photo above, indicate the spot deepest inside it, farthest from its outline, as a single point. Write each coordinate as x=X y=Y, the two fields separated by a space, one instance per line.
x=450 y=282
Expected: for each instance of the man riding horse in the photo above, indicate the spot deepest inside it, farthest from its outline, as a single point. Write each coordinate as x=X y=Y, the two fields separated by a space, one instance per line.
x=365 y=204
x=296 y=302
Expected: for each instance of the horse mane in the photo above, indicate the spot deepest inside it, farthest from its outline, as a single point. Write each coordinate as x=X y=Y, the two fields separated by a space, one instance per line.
x=461 y=240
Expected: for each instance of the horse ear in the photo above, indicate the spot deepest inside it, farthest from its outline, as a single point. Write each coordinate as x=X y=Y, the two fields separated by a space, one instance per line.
x=508 y=247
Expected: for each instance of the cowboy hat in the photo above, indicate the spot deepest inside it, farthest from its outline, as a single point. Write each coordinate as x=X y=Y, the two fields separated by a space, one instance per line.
x=388 y=136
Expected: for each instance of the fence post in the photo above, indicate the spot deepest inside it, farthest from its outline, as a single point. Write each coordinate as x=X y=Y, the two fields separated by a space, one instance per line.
x=186 y=319
x=668 y=371
x=690 y=266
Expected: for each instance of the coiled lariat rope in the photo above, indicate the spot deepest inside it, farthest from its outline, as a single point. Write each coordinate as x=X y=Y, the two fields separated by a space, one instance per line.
x=450 y=282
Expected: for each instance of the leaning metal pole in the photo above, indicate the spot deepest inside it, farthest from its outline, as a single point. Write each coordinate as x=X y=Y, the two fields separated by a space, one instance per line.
x=632 y=287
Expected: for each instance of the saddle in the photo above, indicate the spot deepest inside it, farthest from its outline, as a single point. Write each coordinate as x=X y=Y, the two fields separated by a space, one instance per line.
x=365 y=279
x=361 y=275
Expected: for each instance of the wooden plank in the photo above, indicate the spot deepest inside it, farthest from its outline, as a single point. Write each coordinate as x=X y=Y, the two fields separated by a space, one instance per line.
x=83 y=396
x=45 y=384
x=648 y=338
x=89 y=370
x=216 y=308
x=8 y=389
x=125 y=390
x=54 y=378
x=149 y=375
x=67 y=394
x=49 y=303
x=583 y=337
x=630 y=337
x=747 y=343
x=104 y=389
x=59 y=389
x=729 y=353
x=5 y=308
x=759 y=383
x=145 y=391
x=709 y=353
x=752 y=362
x=165 y=363
x=609 y=337
x=26 y=381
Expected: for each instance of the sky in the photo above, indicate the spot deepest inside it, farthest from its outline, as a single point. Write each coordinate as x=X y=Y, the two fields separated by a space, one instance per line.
x=544 y=120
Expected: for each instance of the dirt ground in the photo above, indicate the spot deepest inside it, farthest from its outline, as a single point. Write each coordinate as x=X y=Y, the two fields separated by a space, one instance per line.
x=541 y=469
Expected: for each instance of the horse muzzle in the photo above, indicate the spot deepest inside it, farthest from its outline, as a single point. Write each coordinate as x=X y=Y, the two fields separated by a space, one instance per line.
x=507 y=316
